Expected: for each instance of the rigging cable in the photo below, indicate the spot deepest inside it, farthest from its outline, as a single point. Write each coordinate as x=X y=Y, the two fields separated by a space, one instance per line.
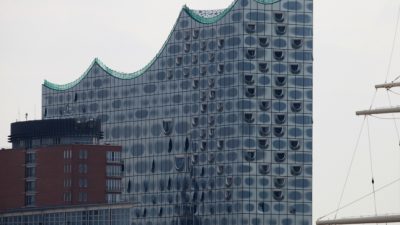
x=394 y=92
x=361 y=198
x=384 y=118
x=394 y=119
x=353 y=156
x=393 y=45
x=372 y=170
x=351 y=165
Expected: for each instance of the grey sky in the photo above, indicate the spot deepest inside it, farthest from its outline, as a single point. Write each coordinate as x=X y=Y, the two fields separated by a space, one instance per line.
x=57 y=40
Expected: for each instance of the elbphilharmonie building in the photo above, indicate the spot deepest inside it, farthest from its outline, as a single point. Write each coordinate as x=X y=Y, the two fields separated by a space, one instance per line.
x=217 y=128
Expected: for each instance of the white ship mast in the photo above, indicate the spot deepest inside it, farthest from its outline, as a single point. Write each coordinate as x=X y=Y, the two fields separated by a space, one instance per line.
x=396 y=109
x=393 y=218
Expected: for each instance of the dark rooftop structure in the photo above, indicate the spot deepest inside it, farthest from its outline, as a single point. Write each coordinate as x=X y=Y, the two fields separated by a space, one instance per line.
x=28 y=134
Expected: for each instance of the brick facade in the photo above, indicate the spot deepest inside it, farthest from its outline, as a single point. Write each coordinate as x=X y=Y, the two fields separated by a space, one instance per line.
x=87 y=175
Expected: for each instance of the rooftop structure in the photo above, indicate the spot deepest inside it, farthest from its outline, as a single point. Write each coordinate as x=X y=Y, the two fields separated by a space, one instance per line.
x=28 y=134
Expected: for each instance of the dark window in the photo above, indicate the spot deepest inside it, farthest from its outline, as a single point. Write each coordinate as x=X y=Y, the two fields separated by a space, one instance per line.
x=195 y=121
x=263 y=67
x=30 y=158
x=296 y=106
x=178 y=60
x=296 y=170
x=279 y=17
x=220 y=144
x=82 y=197
x=279 y=131
x=280 y=29
x=30 y=186
x=228 y=181
x=263 y=207
x=170 y=145
x=83 y=183
x=203 y=70
x=264 y=131
x=83 y=154
x=220 y=107
x=30 y=200
x=248 y=79
x=250 y=155
x=203 y=45
x=248 y=117
x=221 y=68
x=179 y=163
x=195 y=34
x=278 y=195
x=251 y=53
x=195 y=84
x=279 y=93
x=280 y=118
x=264 y=169
x=211 y=57
x=250 y=92
x=279 y=55
x=220 y=169
x=279 y=182
x=221 y=43
x=280 y=81
x=30 y=172
x=294 y=144
x=251 y=28
x=83 y=168
x=280 y=157
x=203 y=108
x=265 y=105
x=295 y=68
x=167 y=126
x=186 y=47
x=263 y=143
x=263 y=41
x=297 y=43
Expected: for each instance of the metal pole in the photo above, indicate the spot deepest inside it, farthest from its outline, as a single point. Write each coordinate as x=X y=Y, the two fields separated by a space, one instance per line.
x=387 y=85
x=362 y=220
x=379 y=111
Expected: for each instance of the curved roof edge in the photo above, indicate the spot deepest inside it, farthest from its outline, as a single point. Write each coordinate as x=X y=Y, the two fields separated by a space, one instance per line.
x=208 y=20
x=116 y=74
x=267 y=1
x=191 y=13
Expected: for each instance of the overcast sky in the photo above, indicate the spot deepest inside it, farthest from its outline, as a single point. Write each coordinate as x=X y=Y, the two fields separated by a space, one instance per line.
x=57 y=40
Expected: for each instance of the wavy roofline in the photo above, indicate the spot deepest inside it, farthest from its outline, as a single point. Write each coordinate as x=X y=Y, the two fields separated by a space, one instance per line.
x=208 y=20
x=126 y=76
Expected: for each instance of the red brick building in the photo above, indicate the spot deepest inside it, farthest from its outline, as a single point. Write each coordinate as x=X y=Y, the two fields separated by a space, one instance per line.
x=58 y=163
x=12 y=174
x=60 y=175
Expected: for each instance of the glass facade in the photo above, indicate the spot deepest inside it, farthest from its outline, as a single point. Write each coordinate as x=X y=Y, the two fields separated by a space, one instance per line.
x=217 y=129
x=90 y=215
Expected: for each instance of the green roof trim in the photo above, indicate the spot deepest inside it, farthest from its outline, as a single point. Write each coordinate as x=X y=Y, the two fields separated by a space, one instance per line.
x=208 y=20
x=125 y=76
x=267 y=1
x=116 y=74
